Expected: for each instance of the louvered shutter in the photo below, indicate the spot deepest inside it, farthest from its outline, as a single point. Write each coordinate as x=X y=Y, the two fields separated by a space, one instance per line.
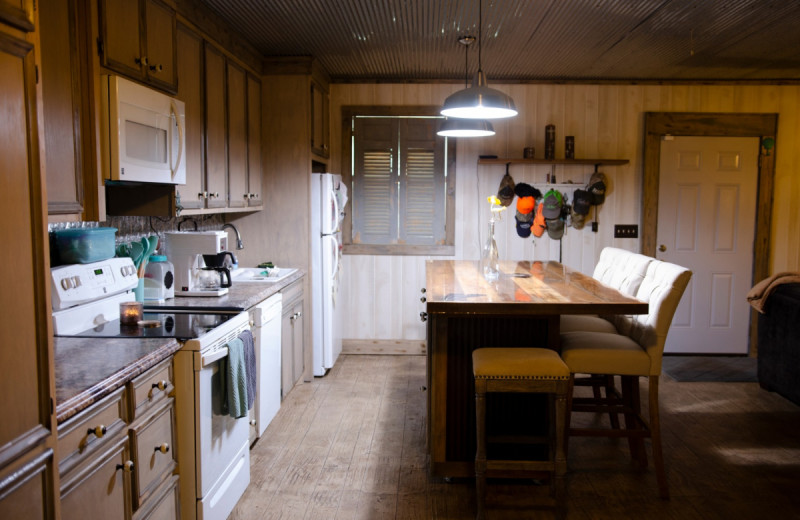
x=375 y=181
x=422 y=196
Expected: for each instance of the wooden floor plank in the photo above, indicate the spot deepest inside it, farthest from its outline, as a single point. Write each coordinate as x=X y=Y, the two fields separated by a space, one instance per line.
x=351 y=445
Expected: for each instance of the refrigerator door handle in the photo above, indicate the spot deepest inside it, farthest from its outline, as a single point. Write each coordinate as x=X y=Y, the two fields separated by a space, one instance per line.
x=335 y=268
x=335 y=216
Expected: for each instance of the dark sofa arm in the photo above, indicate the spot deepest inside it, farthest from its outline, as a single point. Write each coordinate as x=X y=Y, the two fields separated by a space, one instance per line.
x=779 y=343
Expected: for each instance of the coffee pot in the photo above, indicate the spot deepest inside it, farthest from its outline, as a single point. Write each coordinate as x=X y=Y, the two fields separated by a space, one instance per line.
x=214 y=277
x=218 y=259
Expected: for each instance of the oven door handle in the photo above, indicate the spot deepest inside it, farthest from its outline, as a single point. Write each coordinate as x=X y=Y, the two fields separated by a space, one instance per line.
x=213 y=357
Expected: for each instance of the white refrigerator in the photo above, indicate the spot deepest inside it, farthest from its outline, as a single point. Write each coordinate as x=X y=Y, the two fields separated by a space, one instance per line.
x=328 y=201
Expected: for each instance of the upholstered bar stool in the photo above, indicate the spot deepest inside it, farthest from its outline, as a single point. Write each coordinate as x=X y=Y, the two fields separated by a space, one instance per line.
x=528 y=370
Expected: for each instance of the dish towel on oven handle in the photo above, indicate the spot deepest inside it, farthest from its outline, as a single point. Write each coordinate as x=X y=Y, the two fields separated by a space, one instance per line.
x=240 y=376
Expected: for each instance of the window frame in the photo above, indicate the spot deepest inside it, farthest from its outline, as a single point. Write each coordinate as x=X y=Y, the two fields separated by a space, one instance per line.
x=348 y=247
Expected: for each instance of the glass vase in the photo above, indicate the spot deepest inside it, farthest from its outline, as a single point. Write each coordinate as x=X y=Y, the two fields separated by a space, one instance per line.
x=490 y=260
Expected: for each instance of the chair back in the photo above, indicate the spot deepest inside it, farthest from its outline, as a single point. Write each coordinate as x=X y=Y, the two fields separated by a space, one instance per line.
x=662 y=287
x=621 y=269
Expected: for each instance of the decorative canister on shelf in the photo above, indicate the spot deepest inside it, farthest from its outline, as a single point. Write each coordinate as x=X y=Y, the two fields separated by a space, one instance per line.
x=529 y=152
x=569 y=147
x=550 y=142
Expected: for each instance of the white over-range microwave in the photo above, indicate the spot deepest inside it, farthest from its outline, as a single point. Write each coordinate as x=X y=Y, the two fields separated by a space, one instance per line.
x=143 y=133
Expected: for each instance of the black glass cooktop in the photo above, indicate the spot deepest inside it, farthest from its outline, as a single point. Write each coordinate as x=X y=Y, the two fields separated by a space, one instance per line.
x=182 y=326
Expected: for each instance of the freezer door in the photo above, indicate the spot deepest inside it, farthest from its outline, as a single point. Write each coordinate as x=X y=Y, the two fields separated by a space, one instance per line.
x=330 y=204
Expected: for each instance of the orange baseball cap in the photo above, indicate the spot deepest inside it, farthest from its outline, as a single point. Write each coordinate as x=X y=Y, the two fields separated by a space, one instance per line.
x=525 y=204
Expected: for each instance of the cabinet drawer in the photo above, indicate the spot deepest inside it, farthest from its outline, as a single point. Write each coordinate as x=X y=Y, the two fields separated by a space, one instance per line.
x=154 y=451
x=150 y=388
x=90 y=430
x=164 y=505
x=292 y=293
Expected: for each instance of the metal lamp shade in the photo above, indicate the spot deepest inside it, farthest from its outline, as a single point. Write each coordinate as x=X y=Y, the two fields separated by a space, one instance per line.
x=479 y=102
x=466 y=128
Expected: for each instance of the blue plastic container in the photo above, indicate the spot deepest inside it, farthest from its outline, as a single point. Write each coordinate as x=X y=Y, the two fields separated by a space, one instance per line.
x=85 y=245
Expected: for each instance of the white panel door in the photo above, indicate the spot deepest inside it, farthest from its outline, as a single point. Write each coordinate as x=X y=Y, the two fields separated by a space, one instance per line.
x=706 y=222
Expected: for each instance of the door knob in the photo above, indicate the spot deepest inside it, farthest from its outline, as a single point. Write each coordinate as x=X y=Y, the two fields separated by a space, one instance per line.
x=662 y=248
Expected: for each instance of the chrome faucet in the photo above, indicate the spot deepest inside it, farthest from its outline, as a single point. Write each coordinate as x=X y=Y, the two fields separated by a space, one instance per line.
x=239 y=243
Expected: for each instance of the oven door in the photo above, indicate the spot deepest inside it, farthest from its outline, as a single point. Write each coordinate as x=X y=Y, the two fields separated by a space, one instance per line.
x=219 y=437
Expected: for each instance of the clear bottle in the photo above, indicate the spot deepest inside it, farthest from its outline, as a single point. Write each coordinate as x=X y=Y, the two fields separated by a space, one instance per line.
x=490 y=260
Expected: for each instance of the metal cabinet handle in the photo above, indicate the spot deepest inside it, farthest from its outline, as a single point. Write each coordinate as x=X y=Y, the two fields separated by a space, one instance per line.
x=423 y=299
x=98 y=431
x=142 y=61
x=423 y=290
x=155 y=69
x=161 y=385
x=202 y=195
x=127 y=467
x=253 y=422
x=164 y=448
x=423 y=316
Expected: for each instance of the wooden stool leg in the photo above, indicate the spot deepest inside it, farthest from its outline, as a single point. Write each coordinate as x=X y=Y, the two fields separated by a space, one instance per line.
x=610 y=394
x=568 y=413
x=560 y=469
x=480 y=454
x=655 y=438
x=632 y=403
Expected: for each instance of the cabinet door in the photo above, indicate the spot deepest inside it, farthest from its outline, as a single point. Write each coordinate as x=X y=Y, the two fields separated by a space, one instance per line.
x=237 y=135
x=60 y=86
x=216 y=133
x=18 y=13
x=25 y=344
x=319 y=120
x=120 y=27
x=287 y=357
x=101 y=489
x=25 y=489
x=190 y=91
x=254 y=173
x=297 y=342
x=160 y=27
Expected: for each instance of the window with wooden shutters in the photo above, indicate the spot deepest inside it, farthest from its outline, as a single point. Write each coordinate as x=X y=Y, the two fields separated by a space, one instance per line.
x=401 y=177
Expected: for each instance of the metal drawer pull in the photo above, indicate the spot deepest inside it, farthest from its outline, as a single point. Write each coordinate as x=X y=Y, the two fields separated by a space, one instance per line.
x=161 y=385
x=98 y=431
x=423 y=316
x=164 y=448
x=127 y=467
x=423 y=299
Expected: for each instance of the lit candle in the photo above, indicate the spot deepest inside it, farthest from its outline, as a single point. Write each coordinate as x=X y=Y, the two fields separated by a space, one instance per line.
x=130 y=312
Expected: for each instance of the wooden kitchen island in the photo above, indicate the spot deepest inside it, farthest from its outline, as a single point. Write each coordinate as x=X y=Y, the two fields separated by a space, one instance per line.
x=520 y=309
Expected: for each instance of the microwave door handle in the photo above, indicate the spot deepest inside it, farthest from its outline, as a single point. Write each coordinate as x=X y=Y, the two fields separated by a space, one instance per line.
x=174 y=110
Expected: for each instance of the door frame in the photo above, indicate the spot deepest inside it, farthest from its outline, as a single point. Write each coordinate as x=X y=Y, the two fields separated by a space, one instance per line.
x=763 y=126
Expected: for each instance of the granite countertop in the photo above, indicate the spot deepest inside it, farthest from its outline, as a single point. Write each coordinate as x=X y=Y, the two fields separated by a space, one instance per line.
x=88 y=369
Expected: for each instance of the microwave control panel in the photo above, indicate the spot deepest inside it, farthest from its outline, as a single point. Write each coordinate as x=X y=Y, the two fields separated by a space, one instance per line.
x=75 y=284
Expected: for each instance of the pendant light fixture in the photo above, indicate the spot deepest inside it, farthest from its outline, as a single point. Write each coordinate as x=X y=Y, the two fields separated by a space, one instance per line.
x=479 y=101
x=456 y=127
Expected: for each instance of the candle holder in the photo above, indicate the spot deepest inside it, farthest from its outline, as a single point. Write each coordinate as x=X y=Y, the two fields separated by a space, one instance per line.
x=130 y=313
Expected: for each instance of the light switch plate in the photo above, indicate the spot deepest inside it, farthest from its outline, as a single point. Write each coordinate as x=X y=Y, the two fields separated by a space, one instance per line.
x=626 y=231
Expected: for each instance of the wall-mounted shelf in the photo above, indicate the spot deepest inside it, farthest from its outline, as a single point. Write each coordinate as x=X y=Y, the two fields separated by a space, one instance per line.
x=592 y=162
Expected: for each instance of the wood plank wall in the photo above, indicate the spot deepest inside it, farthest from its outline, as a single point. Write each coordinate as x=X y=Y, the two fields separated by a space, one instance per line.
x=380 y=294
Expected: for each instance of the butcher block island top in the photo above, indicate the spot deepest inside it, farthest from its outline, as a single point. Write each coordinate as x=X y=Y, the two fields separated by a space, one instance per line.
x=524 y=287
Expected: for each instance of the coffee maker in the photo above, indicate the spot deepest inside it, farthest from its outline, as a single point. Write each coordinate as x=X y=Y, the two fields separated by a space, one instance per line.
x=198 y=258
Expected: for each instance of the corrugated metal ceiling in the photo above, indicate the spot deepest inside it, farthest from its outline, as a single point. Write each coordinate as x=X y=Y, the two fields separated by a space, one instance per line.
x=533 y=40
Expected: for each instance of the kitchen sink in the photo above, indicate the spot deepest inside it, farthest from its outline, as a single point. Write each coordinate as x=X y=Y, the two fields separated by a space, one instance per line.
x=258 y=274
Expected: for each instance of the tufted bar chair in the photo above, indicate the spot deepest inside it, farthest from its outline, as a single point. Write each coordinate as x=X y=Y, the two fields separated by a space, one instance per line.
x=529 y=370
x=634 y=351
x=617 y=268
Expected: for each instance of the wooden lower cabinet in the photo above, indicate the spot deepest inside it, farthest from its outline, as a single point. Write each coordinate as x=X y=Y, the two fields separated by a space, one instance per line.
x=25 y=487
x=292 y=337
x=123 y=472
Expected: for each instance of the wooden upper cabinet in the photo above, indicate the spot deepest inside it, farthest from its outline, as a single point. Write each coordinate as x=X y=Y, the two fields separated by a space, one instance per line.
x=60 y=83
x=320 y=127
x=216 y=132
x=254 y=173
x=237 y=135
x=190 y=91
x=138 y=40
x=17 y=13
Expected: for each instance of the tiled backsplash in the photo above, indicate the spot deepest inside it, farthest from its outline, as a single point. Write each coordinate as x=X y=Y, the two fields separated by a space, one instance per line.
x=133 y=228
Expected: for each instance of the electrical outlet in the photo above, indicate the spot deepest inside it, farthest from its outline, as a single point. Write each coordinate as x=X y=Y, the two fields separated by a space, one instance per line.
x=626 y=231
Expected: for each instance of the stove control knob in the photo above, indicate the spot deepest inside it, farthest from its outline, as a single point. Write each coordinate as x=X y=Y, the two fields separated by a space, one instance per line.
x=76 y=281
